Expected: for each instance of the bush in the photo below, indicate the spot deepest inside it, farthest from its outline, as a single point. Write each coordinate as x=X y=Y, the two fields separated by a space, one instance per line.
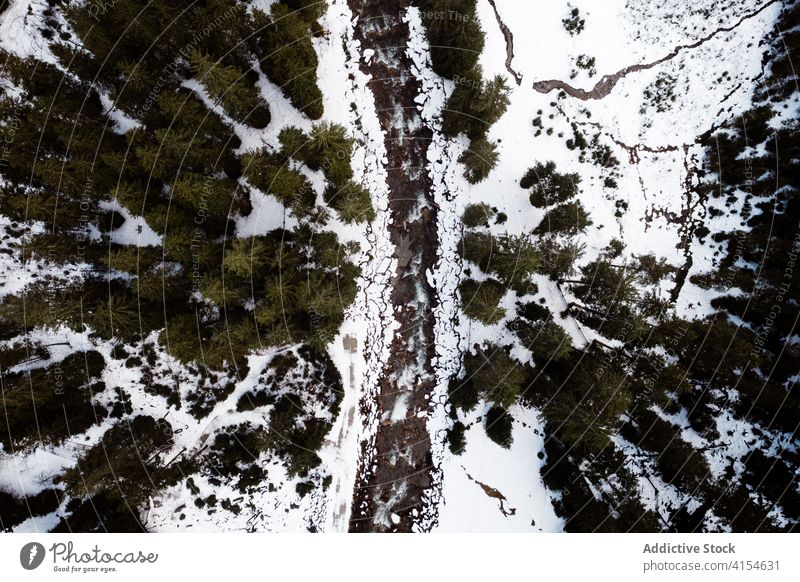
x=573 y=24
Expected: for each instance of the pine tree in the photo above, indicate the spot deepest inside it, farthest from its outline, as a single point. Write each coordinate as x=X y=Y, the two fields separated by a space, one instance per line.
x=559 y=258
x=288 y=58
x=497 y=377
x=570 y=218
x=227 y=85
x=118 y=316
x=474 y=105
x=455 y=36
x=478 y=215
x=548 y=187
x=480 y=158
x=587 y=411
x=133 y=472
x=271 y=174
x=499 y=425
x=245 y=257
x=604 y=284
x=481 y=300
x=352 y=202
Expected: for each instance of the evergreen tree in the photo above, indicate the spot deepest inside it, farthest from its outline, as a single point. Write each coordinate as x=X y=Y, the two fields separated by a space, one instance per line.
x=570 y=218
x=559 y=258
x=481 y=300
x=454 y=34
x=493 y=375
x=133 y=472
x=474 y=105
x=499 y=426
x=478 y=215
x=480 y=158
x=244 y=257
x=288 y=57
x=351 y=201
x=548 y=187
x=228 y=86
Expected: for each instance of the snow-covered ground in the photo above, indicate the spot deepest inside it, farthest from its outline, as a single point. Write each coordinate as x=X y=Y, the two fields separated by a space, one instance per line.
x=712 y=83
x=492 y=489
x=654 y=143
x=363 y=342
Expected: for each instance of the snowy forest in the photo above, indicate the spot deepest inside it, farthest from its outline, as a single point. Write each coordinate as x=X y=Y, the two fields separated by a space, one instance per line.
x=399 y=266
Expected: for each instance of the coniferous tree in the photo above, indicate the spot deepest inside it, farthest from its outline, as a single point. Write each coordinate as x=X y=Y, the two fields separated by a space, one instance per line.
x=569 y=218
x=228 y=86
x=480 y=158
x=454 y=34
x=481 y=300
x=283 y=39
x=499 y=426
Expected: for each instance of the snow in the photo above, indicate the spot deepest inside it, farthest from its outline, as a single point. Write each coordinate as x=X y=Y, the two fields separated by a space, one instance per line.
x=16 y=274
x=656 y=152
x=652 y=183
x=514 y=472
x=20 y=32
x=452 y=501
x=267 y=214
x=134 y=231
x=38 y=524
x=122 y=123
x=362 y=345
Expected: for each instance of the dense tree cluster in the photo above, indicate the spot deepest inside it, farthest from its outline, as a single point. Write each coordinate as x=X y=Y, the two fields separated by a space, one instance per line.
x=49 y=404
x=137 y=121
